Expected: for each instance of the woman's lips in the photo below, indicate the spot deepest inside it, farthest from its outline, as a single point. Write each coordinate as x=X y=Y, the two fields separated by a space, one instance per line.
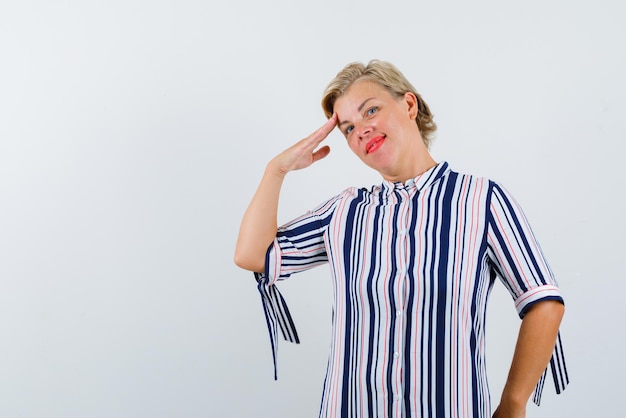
x=373 y=144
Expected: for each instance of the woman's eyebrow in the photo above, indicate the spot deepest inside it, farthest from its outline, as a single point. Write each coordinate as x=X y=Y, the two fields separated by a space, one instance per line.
x=365 y=101
x=359 y=109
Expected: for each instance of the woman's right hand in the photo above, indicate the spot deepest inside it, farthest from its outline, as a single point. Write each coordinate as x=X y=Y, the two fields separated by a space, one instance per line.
x=303 y=153
x=259 y=224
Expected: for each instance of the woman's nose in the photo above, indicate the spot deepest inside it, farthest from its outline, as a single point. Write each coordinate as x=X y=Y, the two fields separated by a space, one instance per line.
x=362 y=130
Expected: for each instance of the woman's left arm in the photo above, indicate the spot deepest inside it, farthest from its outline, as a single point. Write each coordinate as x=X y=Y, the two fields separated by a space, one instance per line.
x=535 y=344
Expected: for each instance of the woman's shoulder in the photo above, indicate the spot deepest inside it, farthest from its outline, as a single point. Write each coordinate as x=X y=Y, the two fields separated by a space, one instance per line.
x=473 y=178
x=348 y=194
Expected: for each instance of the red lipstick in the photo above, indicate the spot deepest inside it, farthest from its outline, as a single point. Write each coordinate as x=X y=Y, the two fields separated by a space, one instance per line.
x=373 y=144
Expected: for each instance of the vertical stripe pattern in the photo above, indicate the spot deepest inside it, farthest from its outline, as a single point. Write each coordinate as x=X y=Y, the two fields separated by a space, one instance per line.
x=412 y=267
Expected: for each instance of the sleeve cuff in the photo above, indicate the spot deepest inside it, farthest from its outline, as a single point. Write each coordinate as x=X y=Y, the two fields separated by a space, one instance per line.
x=277 y=316
x=273 y=261
x=537 y=294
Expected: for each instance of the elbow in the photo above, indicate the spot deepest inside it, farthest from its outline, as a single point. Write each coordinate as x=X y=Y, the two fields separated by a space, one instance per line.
x=240 y=260
x=248 y=263
x=250 y=256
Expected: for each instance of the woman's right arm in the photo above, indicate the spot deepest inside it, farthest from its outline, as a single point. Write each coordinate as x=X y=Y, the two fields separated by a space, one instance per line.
x=259 y=224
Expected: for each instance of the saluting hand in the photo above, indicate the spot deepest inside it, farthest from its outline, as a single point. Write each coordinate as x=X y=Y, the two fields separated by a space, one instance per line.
x=303 y=153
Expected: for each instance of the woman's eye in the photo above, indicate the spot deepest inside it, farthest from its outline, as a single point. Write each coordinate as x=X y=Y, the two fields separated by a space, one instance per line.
x=372 y=110
x=349 y=129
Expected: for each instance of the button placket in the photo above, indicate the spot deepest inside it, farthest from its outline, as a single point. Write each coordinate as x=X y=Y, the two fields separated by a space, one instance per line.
x=402 y=276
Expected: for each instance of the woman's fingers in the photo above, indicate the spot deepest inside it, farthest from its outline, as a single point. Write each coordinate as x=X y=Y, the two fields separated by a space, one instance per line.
x=321 y=153
x=316 y=138
x=304 y=153
x=322 y=132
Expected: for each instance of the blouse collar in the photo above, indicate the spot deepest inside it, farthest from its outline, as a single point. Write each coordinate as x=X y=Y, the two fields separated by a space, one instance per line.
x=419 y=182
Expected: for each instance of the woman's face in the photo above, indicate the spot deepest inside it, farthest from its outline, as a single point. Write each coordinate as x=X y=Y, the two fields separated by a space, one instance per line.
x=380 y=129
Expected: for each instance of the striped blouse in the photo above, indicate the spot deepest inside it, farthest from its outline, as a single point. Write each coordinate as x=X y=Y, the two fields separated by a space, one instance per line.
x=412 y=267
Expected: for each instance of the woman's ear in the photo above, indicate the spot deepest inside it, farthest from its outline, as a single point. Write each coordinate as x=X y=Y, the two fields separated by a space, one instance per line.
x=411 y=103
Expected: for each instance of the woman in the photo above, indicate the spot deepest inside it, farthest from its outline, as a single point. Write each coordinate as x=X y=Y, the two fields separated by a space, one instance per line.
x=412 y=261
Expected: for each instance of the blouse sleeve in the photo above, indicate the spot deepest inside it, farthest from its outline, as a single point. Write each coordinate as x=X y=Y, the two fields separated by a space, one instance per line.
x=298 y=246
x=516 y=255
x=519 y=261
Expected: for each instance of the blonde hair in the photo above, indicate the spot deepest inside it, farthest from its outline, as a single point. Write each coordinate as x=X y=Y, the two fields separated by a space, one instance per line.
x=386 y=75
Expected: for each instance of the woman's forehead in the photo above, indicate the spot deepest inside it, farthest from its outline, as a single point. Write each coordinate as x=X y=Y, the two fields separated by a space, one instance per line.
x=365 y=86
x=362 y=90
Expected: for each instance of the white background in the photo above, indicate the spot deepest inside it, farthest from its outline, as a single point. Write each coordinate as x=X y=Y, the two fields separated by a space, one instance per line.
x=133 y=133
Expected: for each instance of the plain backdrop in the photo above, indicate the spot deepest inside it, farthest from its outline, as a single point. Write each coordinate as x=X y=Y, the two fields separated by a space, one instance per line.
x=133 y=133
